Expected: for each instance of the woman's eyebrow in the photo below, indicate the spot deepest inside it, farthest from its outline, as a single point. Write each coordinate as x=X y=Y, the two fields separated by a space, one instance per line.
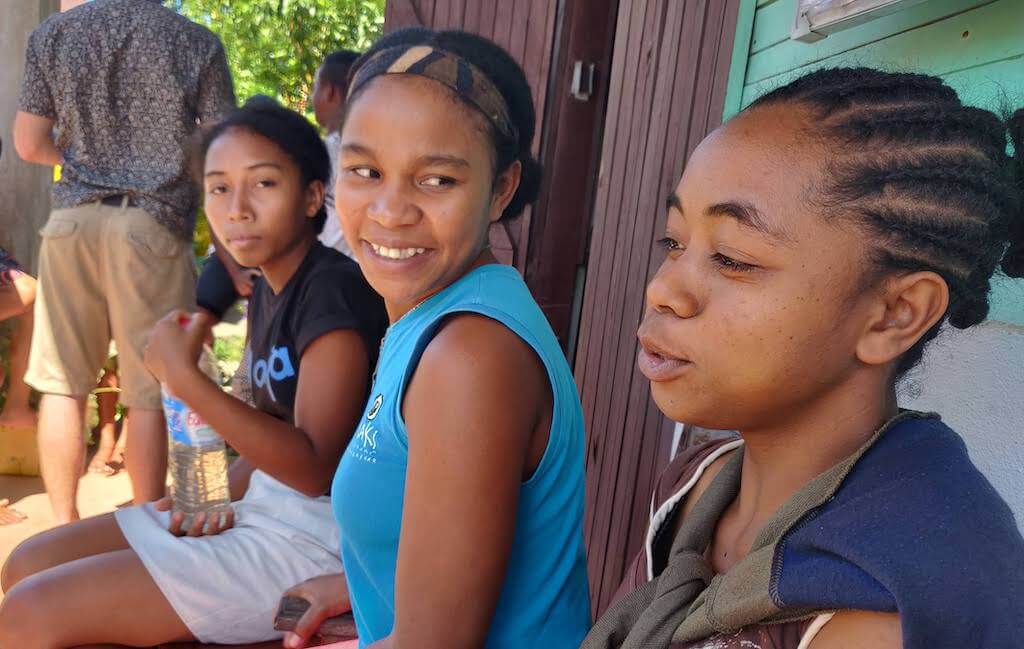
x=442 y=159
x=356 y=148
x=743 y=213
x=749 y=217
x=256 y=165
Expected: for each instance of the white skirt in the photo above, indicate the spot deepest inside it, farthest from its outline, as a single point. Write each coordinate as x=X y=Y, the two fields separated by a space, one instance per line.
x=226 y=588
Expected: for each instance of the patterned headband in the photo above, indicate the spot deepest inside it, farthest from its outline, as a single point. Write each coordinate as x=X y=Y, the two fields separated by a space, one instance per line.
x=446 y=68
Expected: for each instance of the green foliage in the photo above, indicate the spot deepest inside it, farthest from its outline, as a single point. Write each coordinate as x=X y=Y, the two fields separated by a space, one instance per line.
x=274 y=47
x=202 y=239
x=228 y=351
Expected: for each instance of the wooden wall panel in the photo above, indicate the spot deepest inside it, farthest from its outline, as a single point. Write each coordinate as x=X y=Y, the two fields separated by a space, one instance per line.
x=669 y=77
x=523 y=27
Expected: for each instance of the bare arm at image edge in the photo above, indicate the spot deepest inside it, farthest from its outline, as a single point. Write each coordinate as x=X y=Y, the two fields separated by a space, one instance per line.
x=36 y=116
x=860 y=629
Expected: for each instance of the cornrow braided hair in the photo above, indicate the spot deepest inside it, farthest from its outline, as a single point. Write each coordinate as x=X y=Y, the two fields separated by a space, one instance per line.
x=928 y=177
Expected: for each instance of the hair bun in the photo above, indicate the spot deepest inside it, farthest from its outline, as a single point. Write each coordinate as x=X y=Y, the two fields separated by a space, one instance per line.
x=1013 y=259
x=970 y=309
x=529 y=187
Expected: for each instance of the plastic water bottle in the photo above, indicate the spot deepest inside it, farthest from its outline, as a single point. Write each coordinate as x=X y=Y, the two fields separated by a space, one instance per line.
x=196 y=456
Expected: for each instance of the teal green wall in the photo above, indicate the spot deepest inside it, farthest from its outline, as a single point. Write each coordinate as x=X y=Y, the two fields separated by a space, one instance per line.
x=976 y=45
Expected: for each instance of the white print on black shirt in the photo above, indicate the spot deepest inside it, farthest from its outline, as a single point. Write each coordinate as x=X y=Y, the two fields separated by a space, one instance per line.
x=277 y=368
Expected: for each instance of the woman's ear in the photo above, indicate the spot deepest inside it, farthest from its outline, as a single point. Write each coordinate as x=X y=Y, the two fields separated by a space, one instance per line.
x=315 y=193
x=505 y=186
x=908 y=306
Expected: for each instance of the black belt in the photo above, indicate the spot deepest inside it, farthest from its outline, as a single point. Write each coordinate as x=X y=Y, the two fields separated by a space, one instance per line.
x=117 y=200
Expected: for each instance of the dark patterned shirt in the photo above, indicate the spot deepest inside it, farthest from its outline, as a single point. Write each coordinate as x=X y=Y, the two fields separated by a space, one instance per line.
x=127 y=82
x=9 y=269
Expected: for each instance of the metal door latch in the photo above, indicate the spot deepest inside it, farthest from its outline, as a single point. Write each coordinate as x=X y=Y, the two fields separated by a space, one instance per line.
x=582 y=80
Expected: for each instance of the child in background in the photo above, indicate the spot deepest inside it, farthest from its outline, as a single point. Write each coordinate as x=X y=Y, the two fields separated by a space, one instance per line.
x=314 y=331
x=17 y=294
x=329 y=92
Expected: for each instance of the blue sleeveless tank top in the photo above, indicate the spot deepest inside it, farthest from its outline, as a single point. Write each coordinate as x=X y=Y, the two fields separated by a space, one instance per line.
x=545 y=598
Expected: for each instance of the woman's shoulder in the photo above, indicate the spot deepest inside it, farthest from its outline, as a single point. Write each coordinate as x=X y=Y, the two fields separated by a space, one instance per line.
x=334 y=280
x=913 y=491
x=325 y=262
x=482 y=346
x=493 y=286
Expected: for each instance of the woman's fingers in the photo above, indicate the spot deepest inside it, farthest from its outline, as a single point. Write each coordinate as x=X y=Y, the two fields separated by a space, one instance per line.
x=198 y=523
x=229 y=518
x=220 y=521
x=294 y=641
x=177 y=519
x=203 y=524
x=310 y=620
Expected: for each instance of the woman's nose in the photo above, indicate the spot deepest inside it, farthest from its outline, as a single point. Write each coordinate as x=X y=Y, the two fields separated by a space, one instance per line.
x=392 y=208
x=675 y=289
x=239 y=208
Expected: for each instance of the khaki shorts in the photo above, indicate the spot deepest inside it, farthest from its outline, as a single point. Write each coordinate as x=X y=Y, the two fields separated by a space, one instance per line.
x=105 y=273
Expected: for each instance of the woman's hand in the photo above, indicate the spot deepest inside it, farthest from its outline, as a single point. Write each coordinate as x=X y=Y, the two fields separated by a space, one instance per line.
x=243 y=278
x=174 y=346
x=202 y=524
x=327 y=597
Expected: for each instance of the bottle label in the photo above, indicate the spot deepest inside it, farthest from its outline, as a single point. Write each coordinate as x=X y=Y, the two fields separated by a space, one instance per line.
x=184 y=425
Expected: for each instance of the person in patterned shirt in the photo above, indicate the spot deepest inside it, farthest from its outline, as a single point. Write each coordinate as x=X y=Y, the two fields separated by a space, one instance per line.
x=113 y=92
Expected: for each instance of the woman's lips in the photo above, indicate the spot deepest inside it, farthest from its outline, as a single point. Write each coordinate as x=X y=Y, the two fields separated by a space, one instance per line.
x=658 y=367
x=242 y=243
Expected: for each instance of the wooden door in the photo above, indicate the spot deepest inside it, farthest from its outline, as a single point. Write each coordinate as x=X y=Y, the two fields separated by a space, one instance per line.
x=668 y=80
x=550 y=39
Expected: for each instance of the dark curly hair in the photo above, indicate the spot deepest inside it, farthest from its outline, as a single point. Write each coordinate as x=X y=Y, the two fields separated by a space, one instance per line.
x=336 y=67
x=290 y=131
x=926 y=176
x=507 y=77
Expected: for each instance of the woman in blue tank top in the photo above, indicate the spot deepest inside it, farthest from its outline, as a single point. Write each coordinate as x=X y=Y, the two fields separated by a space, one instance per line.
x=460 y=498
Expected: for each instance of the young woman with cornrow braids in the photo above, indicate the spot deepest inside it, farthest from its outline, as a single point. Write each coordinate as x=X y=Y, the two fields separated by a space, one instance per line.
x=460 y=498
x=814 y=245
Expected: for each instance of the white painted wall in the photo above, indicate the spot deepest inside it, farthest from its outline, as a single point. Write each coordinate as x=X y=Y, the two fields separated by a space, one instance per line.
x=975 y=380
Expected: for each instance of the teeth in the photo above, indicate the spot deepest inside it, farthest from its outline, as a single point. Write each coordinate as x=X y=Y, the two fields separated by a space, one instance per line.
x=397 y=253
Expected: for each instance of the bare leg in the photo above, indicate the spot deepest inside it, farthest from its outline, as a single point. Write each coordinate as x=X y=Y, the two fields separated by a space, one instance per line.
x=61 y=452
x=146 y=454
x=117 y=457
x=94 y=535
x=17 y=411
x=83 y=603
x=106 y=428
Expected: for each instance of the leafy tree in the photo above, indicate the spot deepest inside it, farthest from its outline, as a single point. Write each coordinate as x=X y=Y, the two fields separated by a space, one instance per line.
x=274 y=47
